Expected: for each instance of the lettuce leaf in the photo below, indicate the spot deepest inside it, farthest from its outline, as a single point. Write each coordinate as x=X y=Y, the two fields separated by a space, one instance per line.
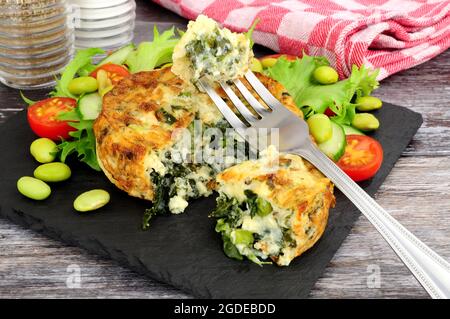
x=80 y=63
x=27 y=100
x=82 y=142
x=312 y=97
x=249 y=33
x=149 y=55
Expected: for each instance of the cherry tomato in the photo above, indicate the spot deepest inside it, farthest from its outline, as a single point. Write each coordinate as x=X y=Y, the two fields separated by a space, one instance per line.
x=328 y=112
x=43 y=117
x=115 y=72
x=362 y=158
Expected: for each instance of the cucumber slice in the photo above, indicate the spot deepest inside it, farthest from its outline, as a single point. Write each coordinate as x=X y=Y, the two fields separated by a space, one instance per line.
x=350 y=130
x=90 y=106
x=118 y=57
x=334 y=148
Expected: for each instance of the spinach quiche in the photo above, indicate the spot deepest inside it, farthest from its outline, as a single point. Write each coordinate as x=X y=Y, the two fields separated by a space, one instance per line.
x=274 y=208
x=139 y=145
x=211 y=52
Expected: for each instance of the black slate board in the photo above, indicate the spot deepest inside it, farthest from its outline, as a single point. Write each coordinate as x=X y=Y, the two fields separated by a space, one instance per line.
x=181 y=250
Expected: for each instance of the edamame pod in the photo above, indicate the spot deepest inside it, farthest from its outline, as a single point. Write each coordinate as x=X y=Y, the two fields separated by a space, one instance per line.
x=268 y=62
x=91 y=200
x=255 y=65
x=242 y=236
x=320 y=127
x=43 y=150
x=53 y=172
x=365 y=122
x=33 y=188
x=368 y=103
x=325 y=75
x=264 y=207
x=83 y=84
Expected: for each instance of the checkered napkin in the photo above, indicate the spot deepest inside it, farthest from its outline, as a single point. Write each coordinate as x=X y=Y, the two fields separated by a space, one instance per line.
x=392 y=35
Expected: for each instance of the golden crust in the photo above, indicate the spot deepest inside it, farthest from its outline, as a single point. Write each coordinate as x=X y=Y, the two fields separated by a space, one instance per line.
x=295 y=186
x=129 y=128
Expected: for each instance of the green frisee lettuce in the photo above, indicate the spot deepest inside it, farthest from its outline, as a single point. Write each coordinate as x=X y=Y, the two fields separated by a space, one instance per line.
x=312 y=97
x=149 y=55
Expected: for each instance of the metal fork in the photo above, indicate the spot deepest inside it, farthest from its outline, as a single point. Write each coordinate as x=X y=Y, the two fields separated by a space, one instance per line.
x=430 y=269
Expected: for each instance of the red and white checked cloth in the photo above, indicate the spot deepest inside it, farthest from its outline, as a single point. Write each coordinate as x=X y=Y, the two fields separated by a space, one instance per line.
x=392 y=35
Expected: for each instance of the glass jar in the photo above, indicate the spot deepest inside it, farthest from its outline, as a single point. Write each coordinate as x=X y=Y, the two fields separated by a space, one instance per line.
x=106 y=24
x=36 y=42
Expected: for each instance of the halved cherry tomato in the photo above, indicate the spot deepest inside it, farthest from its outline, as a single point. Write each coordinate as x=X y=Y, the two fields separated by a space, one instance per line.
x=115 y=72
x=362 y=158
x=328 y=112
x=43 y=117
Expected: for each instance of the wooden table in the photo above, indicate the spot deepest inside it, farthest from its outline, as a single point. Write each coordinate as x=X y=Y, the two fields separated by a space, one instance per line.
x=417 y=192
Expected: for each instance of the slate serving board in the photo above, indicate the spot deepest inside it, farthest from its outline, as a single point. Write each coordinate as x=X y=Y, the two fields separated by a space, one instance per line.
x=182 y=250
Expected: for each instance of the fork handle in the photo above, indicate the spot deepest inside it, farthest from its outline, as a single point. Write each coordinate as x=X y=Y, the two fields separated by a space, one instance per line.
x=430 y=269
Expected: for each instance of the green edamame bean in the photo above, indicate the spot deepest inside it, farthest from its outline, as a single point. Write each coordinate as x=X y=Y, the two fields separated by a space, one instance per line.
x=53 y=172
x=241 y=236
x=91 y=200
x=33 y=188
x=368 y=103
x=320 y=127
x=325 y=75
x=43 y=150
x=264 y=207
x=255 y=65
x=83 y=84
x=365 y=122
x=268 y=62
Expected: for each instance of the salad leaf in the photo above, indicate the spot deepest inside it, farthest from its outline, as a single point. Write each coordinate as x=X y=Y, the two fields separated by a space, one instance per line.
x=249 y=33
x=149 y=55
x=83 y=142
x=82 y=62
x=26 y=100
x=312 y=97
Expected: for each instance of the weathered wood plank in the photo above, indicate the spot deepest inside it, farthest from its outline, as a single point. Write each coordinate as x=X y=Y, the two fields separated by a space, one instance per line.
x=417 y=194
x=424 y=89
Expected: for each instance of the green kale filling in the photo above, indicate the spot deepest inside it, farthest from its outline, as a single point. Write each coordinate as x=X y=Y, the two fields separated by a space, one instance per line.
x=229 y=213
x=166 y=185
x=201 y=51
x=165 y=116
x=165 y=188
x=160 y=202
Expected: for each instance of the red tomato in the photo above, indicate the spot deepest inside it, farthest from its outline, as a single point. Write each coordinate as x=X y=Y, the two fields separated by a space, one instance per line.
x=115 y=72
x=43 y=117
x=328 y=112
x=362 y=158
x=288 y=57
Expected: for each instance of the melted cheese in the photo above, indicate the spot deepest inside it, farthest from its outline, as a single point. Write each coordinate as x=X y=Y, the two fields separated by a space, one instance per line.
x=154 y=162
x=177 y=204
x=269 y=231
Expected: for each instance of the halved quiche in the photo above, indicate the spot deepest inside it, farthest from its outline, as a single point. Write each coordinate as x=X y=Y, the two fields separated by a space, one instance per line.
x=140 y=138
x=274 y=208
